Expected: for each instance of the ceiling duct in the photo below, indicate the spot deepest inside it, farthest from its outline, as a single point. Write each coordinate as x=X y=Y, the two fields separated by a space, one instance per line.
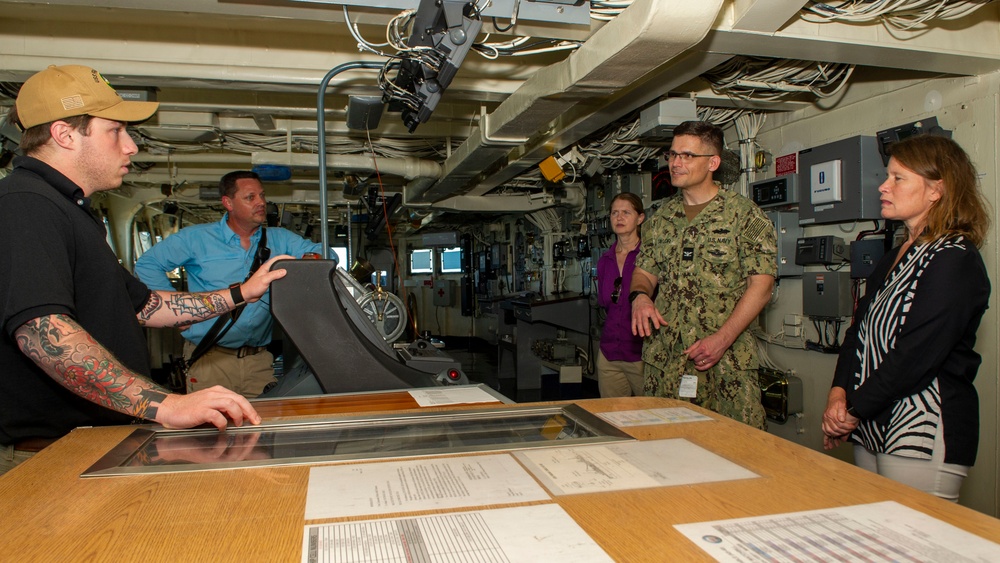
x=182 y=127
x=645 y=36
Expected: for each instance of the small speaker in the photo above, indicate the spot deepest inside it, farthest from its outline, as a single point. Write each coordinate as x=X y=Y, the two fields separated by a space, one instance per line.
x=364 y=112
x=729 y=171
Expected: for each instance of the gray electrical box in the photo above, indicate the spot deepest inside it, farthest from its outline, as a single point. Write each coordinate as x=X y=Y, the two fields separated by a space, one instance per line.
x=865 y=255
x=825 y=249
x=786 y=225
x=659 y=119
x=827 y=295
x=838 y=181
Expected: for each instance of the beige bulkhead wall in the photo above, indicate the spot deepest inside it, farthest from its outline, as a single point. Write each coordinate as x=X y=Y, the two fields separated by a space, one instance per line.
x=968 y=106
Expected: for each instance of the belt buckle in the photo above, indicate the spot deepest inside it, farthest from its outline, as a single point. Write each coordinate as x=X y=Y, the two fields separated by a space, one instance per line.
x=244 y=351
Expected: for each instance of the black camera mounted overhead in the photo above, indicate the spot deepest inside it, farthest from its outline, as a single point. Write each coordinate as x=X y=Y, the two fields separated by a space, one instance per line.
x=380 y=209
x=443 y=32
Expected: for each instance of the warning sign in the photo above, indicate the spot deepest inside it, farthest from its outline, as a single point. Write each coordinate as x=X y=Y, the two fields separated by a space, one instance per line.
x=787 y=164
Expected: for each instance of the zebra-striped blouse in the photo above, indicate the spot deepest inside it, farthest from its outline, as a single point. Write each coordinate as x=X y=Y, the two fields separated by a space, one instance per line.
x=908 y=361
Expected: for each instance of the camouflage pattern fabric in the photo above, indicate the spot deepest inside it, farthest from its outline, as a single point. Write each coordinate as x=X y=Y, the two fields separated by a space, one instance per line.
x=702 y=267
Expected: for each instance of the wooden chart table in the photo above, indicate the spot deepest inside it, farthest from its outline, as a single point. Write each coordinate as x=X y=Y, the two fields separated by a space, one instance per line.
x=257 y=514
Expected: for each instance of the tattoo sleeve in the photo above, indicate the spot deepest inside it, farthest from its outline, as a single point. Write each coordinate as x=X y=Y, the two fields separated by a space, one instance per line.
x=71 y=356
x=171 y=309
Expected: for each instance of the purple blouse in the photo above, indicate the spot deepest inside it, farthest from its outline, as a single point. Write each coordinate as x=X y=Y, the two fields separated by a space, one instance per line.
x=617 y=341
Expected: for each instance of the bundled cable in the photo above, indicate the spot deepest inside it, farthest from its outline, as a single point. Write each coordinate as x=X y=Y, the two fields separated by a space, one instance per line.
x=900 y=14
x=759 y=78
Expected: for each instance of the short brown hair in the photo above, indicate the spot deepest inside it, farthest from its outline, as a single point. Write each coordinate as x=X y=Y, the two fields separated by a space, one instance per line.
x=227 y=186
x=962 y=209
x=35 y=137
x=708 y=133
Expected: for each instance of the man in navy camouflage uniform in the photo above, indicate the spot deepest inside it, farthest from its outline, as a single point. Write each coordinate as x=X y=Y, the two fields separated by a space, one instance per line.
x=712 y=254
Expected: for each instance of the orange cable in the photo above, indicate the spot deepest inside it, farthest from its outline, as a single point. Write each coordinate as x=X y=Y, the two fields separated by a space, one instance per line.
x=385 y=211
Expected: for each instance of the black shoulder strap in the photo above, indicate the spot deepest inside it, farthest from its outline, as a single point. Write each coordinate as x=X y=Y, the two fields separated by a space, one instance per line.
x=216 y=332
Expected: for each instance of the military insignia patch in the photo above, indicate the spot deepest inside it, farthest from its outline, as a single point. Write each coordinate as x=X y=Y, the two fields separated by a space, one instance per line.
x=756 y=228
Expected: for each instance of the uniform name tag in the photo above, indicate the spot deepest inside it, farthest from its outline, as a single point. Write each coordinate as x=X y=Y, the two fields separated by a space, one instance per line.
x=687 y=254
x=689 y=387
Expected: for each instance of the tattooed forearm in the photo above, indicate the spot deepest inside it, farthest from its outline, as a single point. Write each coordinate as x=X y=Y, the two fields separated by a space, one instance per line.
x=71 y=356
x=149 y=401
x=172 y=309
x=198 y=306
x=153 y=305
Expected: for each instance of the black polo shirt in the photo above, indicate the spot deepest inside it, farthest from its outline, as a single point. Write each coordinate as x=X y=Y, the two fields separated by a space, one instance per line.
x=55 y=259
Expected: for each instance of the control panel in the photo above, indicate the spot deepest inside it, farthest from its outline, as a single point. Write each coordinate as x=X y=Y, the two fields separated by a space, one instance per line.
x=775 y=192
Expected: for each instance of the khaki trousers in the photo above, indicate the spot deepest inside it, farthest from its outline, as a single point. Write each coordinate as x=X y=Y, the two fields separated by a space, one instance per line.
x=220 y=366
x=619 y=379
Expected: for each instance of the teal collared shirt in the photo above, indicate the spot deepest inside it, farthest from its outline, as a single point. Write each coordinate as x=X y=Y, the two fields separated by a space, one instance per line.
x=213 y=258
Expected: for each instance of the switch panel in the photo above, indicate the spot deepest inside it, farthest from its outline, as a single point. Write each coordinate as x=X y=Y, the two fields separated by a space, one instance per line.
x=827 y=295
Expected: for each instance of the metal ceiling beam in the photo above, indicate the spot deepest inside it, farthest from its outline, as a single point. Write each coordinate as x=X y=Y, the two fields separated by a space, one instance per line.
x=968 y=46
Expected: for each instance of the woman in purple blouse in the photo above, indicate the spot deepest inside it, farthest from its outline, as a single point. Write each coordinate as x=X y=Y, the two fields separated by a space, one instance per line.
x=619 y=361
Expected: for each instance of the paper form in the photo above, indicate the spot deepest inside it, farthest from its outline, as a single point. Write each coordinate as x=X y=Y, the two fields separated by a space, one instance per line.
x=883 y=531
x=628 y=465
x=526 y=533
x=452 y=395
x=647 y=417
x=418 y=484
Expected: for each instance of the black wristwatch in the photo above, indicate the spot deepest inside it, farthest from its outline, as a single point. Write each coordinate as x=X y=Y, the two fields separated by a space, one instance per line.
x=237 y=294
x=636 y=293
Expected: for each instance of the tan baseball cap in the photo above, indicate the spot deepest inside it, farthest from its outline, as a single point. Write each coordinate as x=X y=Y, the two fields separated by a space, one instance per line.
x=59 y=92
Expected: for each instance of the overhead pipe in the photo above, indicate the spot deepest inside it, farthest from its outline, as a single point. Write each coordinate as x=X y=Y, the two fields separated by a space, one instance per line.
x=324 y=213
x=201 y=158
x=573 y=196
x=407 y=167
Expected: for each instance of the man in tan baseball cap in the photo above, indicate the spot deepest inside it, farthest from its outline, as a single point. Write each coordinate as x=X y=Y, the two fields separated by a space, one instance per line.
x=74 y=121
x=59 y=92
x=73 y=317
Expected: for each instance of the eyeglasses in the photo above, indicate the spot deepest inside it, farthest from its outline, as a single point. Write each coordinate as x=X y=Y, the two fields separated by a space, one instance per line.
x=685 y=156
x=618 y=290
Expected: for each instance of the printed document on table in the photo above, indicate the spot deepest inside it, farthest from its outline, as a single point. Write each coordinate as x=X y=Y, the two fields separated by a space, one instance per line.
x=627 y=465
x=418 y=484
x=646 y=417
x=525 y=533
x=452 y=395
x=882 y=531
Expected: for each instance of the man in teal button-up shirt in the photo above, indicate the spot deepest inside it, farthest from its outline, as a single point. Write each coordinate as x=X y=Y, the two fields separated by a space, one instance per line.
x=215 y=255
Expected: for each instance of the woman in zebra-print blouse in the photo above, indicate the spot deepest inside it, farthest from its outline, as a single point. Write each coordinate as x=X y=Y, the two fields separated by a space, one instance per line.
x=903 y=389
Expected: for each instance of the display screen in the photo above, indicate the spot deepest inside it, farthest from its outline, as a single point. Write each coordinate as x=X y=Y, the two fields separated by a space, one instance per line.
x=778 y=191
x=349 y=439
x=422 y=261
